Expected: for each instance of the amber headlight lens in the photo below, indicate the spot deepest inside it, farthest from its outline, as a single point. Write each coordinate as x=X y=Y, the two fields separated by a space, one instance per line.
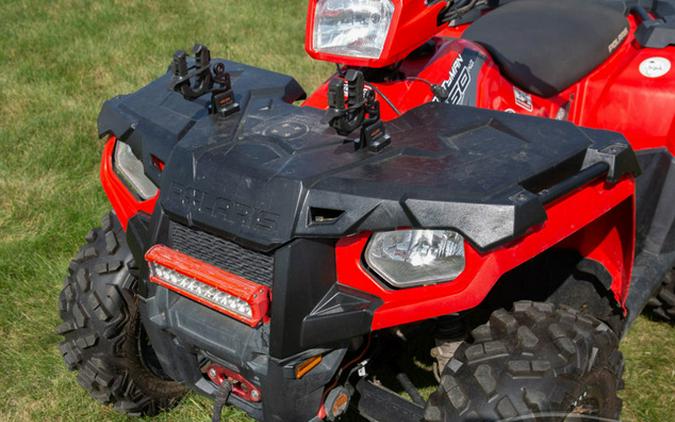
x=406 y=258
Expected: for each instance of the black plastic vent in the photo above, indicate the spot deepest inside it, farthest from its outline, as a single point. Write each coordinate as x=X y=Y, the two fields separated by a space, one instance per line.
x=324 y=215
x=227 y=255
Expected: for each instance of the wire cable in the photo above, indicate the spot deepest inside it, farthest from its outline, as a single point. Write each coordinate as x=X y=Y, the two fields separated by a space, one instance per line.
x=384 y=97
x=418 y=79
x=439 y=91
x=460 y=9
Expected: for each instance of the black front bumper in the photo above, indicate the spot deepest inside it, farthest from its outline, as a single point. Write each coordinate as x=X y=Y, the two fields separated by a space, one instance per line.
x=187 y=336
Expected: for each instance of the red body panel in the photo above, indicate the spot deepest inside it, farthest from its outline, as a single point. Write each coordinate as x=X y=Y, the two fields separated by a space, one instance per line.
x=123 y=202
x=589 y=229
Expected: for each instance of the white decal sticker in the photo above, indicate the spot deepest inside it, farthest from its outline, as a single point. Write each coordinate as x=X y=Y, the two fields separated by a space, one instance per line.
x=523 y=99
x=654 y=67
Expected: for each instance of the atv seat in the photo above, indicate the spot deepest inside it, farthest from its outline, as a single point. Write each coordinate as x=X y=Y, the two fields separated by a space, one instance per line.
x=545 y=46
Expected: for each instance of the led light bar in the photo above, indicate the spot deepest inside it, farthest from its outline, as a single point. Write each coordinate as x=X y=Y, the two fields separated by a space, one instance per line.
x=223 y=291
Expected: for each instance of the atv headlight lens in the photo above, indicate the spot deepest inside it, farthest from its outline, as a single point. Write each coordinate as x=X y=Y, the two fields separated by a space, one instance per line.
x=130 y=170
x=353 y=28
x=406 y=258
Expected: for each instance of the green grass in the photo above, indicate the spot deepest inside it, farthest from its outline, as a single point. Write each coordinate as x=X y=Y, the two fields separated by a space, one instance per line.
x=58 y=62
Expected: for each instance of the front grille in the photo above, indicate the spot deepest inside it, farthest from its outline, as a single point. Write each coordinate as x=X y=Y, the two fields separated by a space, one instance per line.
x=227 y=255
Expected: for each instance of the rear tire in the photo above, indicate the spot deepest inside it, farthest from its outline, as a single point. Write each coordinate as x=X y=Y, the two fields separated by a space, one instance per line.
x=103 y=336
x=541 y=361
x=661 y=306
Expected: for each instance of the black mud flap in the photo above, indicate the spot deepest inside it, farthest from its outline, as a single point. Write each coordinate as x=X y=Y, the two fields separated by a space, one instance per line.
x=655 y=257
x=379 y=404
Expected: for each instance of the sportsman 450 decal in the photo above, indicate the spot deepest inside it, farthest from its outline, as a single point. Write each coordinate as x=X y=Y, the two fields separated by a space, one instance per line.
x=461 y=82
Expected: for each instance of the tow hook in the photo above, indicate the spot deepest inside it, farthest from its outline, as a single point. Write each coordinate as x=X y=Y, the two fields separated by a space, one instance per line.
x=238 y=385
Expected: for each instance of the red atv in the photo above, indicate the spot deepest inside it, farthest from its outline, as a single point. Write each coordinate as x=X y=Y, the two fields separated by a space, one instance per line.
x=478 y=203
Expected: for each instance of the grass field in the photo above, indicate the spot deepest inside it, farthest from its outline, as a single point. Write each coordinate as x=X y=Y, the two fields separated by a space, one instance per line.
x=59 y=61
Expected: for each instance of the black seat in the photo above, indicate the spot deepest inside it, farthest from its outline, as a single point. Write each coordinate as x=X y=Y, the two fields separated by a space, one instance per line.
x=544 y=46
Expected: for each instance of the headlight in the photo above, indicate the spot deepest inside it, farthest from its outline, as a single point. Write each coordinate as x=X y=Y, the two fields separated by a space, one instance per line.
x=406 y=258
x=130 y=170
x=354 y=28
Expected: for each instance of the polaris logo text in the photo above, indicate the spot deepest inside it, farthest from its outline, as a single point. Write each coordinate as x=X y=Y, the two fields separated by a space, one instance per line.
x=617 y=41
x=225 y=209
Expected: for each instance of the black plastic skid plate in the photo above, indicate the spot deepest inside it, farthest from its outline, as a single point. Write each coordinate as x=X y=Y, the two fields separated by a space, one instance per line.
x=263 y=175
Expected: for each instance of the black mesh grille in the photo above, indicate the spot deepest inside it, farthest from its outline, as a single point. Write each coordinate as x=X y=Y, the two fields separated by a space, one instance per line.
x=229 y=256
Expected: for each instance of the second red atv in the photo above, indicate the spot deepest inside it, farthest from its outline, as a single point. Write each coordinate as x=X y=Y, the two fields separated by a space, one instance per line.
x=478 y=204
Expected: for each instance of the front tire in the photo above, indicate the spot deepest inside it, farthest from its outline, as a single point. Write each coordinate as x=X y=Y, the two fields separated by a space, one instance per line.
x=662 y=305
x=541 y=362
x=103 y=336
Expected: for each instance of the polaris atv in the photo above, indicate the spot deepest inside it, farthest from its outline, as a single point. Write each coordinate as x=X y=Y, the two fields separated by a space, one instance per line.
x=477 y=203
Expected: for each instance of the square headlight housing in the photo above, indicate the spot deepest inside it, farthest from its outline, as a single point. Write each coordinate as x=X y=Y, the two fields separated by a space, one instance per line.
x=370 y=33
x=409 y=258
x=354 y=28
x=132 y=173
